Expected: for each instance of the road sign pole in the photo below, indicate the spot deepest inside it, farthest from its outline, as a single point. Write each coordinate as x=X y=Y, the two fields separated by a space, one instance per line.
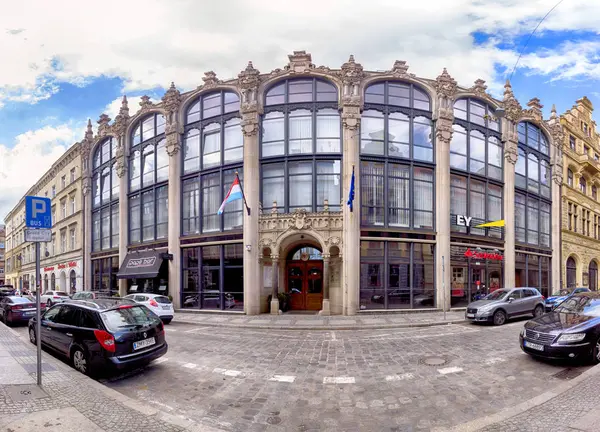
x=38 y=322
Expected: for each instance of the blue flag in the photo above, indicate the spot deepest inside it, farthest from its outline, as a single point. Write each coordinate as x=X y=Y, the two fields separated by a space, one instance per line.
x=351 y=194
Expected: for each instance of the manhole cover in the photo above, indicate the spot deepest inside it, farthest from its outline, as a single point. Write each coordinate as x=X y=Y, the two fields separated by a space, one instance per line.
x=569 y=373
x=25 y=392
x=434 y=361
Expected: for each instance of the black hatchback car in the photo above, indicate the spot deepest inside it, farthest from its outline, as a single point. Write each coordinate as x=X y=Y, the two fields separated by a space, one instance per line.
x=571 y=331
x=102 y=334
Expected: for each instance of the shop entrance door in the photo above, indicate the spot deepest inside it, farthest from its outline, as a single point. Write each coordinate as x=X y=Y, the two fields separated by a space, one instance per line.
x=478 y=282
x=305 y=284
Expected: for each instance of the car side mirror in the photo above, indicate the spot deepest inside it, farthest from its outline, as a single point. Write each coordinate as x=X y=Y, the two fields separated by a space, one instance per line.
x=511 y=299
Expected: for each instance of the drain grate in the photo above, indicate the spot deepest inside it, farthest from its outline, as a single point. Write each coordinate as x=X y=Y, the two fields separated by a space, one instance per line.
x=569 y=373
x=25 y=392
x=433 y=361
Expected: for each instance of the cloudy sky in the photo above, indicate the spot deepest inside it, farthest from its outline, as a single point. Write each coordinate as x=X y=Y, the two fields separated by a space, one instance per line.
x=62 y=62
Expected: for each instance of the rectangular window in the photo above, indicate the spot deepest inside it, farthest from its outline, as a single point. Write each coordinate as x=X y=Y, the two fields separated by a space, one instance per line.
x=234 y=142
x=586 y=150
x=211 y=201
x=72 y=175
x=575 y=214
x=63 y=206
x=148 y=216
x=328 y=131
x=372 y=193
x=423 y=198
x=63 y=241
x=105 y=222
x=458 y=200
x=300 y=132
x=191 y=207
x=329 y=184
x=570 y=218
x=572 y=142
x=273 y=186
x=300 y=185
x=53 y=191
x=162 y=212
x=63 y=182
x=114 y=218
x=73 y=205
x=273 y=134
x=520 y=217
x=72 y=238
x=233 y=215
x=211 y=148
x=134 y=219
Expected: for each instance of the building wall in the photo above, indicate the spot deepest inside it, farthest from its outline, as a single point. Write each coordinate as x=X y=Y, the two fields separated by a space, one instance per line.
x=581 y=206
x=2 y=254
x=62 y=184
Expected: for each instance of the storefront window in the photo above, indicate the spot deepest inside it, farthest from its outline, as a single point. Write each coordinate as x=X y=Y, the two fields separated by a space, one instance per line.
x=213 y=277
x=533 y=271
x=104 y=275
x=396 y=275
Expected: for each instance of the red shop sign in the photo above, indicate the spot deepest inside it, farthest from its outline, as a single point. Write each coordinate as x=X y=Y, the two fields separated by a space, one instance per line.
x=47 y=269
x=483 y=255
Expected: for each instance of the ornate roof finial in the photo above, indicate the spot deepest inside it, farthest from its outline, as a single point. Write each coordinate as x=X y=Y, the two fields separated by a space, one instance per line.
x=512 y=107
x=210 y=79
x=300 y=61
x=400 y=69
x=103 y=126
x=171 y=99
x=249 y=77
x=89 y=133
x=445 y=85
x=553 y=112
x=480 y=88
x=124 y=110
x=535 y=108
x=145 y=103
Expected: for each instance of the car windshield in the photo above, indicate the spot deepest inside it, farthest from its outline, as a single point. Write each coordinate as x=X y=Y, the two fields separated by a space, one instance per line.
x=497 y=295
x=162 y=299
x=61 y=293
x=128 y=317
x=565 y=292
x=17 y=300
x=582 y=305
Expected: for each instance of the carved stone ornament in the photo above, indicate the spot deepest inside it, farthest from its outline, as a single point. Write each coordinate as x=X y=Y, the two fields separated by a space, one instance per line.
x=120 y=124
x=250 y=124
x=173 y=144
x=248 y=81
x=103 y=125
x=400 y=70
x=557 y=172
x=86 y=144
x=86 y=186
x=558 y=134
x=145 y=104
x=443 y=129
x=511 y=152
x=351 y=75
x=512 y=107
x=480 y=89
x=445 y=85
x=210 y=79
x=299 y=61
x=299 y=220
x=171 y=102
x=351 y=118
x=535 y=109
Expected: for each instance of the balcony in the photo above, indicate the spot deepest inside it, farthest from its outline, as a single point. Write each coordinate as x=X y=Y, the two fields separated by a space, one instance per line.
x=589 y=164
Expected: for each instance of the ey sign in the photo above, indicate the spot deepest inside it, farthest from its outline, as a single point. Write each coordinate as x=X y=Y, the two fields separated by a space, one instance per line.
x=38 y=212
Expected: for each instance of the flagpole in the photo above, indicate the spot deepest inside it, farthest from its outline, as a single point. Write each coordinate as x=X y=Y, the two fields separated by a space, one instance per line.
x=243 y=194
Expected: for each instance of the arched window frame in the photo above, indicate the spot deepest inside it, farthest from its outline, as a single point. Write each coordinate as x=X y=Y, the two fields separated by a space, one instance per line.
x=105 y=196
x=402 y=103
x=533 y=194
x=292 y=103
x=583 y=185
x=148 y=190
x=208 y=114
x=570 y=177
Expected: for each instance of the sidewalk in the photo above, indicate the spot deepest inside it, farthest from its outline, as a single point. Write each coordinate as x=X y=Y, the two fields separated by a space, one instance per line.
x=291 y=321
x=569 y=407
x=68 y=400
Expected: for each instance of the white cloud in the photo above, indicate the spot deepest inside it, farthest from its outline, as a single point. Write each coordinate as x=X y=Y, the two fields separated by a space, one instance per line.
x=32 y=155
x=151 y=42
x=133 y=102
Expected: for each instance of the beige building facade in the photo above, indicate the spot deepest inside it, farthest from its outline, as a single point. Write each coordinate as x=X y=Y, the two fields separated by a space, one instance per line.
x=580 y=205
x=2 y=254
x=61 y=262
x=427 y=161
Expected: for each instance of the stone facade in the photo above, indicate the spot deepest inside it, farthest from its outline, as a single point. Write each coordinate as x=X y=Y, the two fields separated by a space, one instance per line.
x=2 y=251
x=61 y=259
x=580 y=215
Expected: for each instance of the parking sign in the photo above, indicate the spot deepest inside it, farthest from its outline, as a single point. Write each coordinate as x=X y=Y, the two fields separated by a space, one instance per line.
x=38 y=212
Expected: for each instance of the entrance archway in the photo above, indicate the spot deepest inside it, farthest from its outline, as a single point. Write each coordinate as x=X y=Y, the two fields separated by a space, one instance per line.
x=593 y=276
x=571 y=273
x=304 y=278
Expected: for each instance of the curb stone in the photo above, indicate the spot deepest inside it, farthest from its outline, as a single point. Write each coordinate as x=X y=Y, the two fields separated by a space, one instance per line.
x=513 y=411
x=119 y=397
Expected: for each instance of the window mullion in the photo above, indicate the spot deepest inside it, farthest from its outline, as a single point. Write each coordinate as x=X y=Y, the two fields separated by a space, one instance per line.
x=385 y=273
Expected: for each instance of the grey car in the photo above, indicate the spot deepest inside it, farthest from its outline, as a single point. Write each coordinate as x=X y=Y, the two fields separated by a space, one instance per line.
x=506 y=303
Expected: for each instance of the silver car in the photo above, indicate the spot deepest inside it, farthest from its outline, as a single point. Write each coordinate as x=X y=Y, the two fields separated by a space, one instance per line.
x=506 y=303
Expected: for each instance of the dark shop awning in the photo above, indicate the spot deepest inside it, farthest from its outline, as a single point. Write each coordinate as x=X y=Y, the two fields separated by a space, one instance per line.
x=138 y=265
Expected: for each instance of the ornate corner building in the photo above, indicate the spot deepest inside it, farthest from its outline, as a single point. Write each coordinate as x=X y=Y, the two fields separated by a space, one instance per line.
x=431 y=162
x=580 y=217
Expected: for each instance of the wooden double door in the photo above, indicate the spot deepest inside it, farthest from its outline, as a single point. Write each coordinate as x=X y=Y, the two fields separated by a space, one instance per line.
x=304 y=282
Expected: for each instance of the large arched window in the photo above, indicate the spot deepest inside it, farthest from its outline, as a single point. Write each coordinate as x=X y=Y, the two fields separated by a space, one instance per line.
x=571 y=273
x=476 y=161
x=532 y=184
x=213 y=152
x=105 y=196
x=396 y=145
x=148 y=176
x=301 y=146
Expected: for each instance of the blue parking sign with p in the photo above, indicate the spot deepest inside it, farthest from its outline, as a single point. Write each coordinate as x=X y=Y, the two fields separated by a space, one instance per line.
x=38 y=212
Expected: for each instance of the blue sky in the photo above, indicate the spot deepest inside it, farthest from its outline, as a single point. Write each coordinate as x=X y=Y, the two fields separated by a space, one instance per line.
x=64 y=65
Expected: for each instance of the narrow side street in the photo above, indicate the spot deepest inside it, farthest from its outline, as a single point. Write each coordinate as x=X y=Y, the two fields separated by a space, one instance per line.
x=389 y=379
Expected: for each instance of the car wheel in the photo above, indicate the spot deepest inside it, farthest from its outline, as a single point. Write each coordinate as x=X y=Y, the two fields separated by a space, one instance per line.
x=596 y=352
x=32 y=336
x=538 y=311
x=499 y=318
x=8 y=319
x=167 y=321
x=80 y=361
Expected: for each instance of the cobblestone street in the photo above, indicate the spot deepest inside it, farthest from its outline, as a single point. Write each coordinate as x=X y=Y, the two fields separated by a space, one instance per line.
x=389 y=379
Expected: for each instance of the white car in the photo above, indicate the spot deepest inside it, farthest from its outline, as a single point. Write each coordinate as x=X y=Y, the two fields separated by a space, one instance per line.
x=159 y=304
x=53 y=297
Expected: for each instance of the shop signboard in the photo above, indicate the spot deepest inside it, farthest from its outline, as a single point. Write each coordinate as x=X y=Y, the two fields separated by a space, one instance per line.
x=483 y=255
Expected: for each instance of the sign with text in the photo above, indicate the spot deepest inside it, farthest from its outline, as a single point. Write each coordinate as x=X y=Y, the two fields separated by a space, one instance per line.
x=38 y=235
x=38 y=212
x=462 y=220
x=483 y=255
x=141 y=262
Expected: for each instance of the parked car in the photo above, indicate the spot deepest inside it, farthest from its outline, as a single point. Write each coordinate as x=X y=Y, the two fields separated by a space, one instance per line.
x=53 y=297
x=570 y=331
x=7 y=290
x=17 y=309
x=553 y=301
x=159 y=304
x=102 y=333
x=85 y=295
x=506 y=303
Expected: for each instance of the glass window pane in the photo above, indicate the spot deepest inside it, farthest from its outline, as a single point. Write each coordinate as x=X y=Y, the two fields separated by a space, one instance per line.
x=273 y=185
x=232 y=214
x=160 y=124
x=232 y=102
x=115 y=225
x=273 y=134
x=276 y=95
x=372 y=284
x=211 y=105
x=148 y=165
x=422 y=138
x=211 y=154
x=193 y=114
x=135 y=171
x=191 y=207
x=399 y=137
x=328 y=184
x=300 y=132
x=372 y=133
x=162 y=161
x=300 y=185
x=423 y=198
x=300 y=91
x=372 y=193
x=162 y=212
x=134 y=219
x=211 y=201
x=234 y=141
x=328 y=131
x=398 y=195
x=148 y=128
x=148 y=216
x=191 y=151
x=375 y=94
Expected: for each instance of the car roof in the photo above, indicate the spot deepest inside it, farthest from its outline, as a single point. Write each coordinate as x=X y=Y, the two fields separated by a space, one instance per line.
x=102 y=303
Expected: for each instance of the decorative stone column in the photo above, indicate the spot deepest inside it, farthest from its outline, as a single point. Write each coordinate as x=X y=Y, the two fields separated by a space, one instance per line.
x=445 y=86
x=171 y=102
x=248 y=81
x=87 y=206
x=326 y=309
x=275 y=285
x=352 y=74
x=510 y=138
x=558 y=138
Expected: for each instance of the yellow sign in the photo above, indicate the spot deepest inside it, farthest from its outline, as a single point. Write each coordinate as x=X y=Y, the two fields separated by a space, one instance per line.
x=498 y=223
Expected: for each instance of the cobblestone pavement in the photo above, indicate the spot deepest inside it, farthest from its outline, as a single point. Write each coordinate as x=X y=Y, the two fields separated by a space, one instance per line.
x=374 y=380
x=64 y=389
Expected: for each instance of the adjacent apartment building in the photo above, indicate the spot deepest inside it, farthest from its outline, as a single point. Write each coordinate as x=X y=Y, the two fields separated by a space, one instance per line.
x=2 y=253
x=62 y=258
x=580 y=205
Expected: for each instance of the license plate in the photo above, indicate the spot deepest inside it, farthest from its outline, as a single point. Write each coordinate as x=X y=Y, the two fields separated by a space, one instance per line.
x=144 y=343
x=534 y=346
x=470 y=315
x=166 y=307
x=29 y=313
